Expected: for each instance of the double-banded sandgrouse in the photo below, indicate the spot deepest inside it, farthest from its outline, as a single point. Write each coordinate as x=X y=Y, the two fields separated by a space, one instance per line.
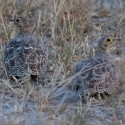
x=25 y=55
x=98 y=74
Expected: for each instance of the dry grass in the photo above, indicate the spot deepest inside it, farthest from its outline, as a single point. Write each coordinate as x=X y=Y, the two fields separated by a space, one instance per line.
x=69 y=28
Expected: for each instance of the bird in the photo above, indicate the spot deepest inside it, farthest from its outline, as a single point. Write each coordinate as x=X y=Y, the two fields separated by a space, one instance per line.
x=25 y=55
x=98 y=74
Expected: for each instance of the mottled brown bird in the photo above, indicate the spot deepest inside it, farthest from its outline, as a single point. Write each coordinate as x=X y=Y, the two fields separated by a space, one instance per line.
x=25 y=55
x=98 y=74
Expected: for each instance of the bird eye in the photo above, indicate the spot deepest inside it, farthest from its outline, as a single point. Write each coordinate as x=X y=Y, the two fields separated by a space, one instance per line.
x=17 y=20
x=109 y=40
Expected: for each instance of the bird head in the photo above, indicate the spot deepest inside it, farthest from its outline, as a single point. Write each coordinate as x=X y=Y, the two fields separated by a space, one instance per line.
x=107 y=42
x=21 y=23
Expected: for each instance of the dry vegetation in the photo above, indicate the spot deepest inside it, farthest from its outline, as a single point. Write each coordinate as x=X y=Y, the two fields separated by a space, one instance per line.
x=69 y=28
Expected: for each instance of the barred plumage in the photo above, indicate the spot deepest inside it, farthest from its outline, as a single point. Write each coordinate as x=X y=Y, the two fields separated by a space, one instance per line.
x=25 y=55
x=98 y=74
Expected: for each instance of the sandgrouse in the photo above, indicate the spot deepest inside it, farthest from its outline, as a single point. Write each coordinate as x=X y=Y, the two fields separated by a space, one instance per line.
x=98 y=74
x=25 y=55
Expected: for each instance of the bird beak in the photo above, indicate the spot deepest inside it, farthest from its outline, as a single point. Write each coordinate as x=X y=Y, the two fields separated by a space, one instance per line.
x=11 y=19
x=115 y=40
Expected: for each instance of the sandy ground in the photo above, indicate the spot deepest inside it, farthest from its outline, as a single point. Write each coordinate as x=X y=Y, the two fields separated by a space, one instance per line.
x=56 y=103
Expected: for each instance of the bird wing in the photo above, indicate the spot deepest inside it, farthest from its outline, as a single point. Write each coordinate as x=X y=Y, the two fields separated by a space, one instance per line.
x=97 y=74
x=77 y=81
x=25 y=54
x=14 y=58
x=37 y=58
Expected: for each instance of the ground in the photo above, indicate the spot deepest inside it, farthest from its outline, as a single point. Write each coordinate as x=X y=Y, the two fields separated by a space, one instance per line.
x=70 y=29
